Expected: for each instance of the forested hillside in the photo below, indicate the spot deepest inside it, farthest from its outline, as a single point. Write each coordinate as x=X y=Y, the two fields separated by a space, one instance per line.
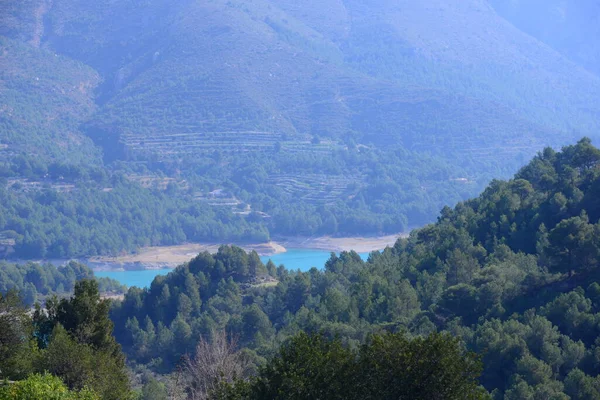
x=66 y=350
x=43 y=101
x=512 y=273
x=135 y=123
x=371 y=71
x=335 y=117
x=63 y=350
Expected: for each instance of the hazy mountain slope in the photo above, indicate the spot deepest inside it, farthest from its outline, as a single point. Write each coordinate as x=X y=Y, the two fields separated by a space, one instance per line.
x=282 y=68
x=43 y=99
x=571 y=28
x=279 y=70
x=466 y=47
x=23 y=20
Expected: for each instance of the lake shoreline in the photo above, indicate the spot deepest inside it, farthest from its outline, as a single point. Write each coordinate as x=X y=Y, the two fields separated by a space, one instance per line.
x=360 y=244
x=161 y=257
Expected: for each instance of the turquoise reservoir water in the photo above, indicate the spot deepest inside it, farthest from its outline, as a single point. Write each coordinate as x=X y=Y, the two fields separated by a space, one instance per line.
x=133 y=278
x=293 y=259
x=303 y=259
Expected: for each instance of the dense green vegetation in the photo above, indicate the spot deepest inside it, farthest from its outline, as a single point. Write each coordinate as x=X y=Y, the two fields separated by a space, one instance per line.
x=90 y=221
x=40 y=387
x=71 y=339
x=129 y=124
x=387 y=367
x=512 y=273
x=75 y=211
x=36 y=282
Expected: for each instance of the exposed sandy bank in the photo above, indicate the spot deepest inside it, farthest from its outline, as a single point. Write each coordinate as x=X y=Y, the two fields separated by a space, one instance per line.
x=172 y=256
x=328 y=243
x=167 y=256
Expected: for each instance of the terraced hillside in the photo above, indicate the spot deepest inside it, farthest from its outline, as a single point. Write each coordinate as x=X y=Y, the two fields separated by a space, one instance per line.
x=319 y=189
x=177 y=144
x=334 y=116
x=401 y=72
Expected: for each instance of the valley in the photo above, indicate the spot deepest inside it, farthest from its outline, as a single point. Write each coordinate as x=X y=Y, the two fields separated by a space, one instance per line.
x=333 y=199
x=366 y=123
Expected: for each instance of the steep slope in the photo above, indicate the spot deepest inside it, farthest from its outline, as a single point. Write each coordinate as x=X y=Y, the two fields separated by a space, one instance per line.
x=466 y=47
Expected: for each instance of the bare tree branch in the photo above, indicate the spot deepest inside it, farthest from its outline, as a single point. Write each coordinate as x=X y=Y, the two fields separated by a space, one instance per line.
x=215 y=360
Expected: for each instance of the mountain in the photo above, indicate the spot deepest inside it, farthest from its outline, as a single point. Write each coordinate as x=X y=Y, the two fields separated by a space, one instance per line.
x=571 y=28
x=444 y=74
x=336 y=117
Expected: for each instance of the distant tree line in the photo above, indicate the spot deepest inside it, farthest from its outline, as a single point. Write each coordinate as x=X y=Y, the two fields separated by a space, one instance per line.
x=105 y=213
x=36 y=282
